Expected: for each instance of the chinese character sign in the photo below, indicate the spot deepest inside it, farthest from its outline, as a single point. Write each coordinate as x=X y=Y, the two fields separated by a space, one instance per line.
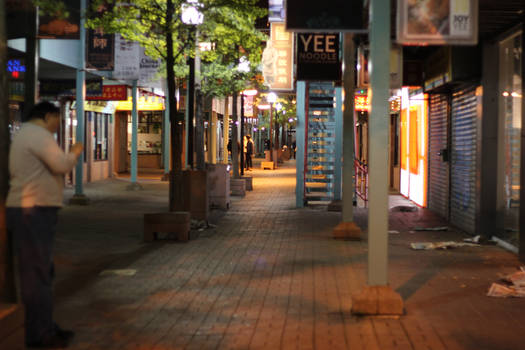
x=127 y=63
x=99 y=50
x=277 y=59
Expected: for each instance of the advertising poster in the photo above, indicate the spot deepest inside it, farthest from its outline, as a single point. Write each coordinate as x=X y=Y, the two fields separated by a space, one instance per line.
x=433 y=22
x=50 y=27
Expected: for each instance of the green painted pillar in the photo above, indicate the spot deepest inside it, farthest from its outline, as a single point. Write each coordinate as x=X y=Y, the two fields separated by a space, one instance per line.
x=300 y=130
x=378 y=136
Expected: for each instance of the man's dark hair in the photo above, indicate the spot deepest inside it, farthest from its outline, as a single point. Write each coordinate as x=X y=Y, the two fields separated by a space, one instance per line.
x=40 y=110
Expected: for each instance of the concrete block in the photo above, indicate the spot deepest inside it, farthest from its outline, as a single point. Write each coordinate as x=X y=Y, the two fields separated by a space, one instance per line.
x=249 y=182
x=177 y=222
x=218 y=186
x=196 y=193
x=377 y=300
x=347 y=230
x=12 y=330
x=238 y=187
x=335 y=205
x=267 y=165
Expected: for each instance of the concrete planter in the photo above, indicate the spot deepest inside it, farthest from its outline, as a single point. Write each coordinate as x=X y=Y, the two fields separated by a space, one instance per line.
x=238 y=187
x=177 y=222
x=195 y=198
x=218 y=186
x=248 y=182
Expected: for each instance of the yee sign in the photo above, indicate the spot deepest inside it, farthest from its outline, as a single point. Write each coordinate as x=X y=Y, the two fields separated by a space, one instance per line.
x=318 y=56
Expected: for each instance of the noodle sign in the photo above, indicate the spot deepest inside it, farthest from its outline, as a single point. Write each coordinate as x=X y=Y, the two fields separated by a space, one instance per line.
x=318 y=56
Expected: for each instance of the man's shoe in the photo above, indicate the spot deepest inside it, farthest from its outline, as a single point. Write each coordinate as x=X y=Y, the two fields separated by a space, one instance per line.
x=53 y=342
x=64 y=333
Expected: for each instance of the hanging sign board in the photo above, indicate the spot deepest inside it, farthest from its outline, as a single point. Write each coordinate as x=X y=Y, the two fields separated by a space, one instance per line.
x=277 y=59
x=318 y=57
x=325 y=16
x=50 y=27
x=444 y=22
x=100 y=50
x=127 y=64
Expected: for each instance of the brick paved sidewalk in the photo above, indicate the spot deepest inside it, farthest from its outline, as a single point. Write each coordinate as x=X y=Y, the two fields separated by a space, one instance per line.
x=269 y=276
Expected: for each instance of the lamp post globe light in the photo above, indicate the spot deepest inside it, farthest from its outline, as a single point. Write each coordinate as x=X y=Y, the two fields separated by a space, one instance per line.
x=191 y=16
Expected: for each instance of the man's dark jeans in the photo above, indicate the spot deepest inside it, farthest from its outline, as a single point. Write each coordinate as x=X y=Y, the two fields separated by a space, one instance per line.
x=33 y=231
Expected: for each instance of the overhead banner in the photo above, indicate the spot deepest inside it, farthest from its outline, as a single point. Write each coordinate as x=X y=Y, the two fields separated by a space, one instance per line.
x=318 y=57
x=444 y=22
x=277 y=59
x=325 y=16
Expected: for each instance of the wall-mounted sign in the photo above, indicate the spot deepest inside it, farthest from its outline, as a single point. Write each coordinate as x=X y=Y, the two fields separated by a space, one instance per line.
x=100 y=50
x=111 y=93
x=443 y=22
x=277 y=59
x=16 y=69
x=325 y=16
x=144 y=104
x=318 y=57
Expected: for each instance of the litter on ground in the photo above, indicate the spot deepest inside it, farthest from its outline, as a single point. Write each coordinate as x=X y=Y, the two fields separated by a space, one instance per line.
x=393 y=231
x=440 y=245
x=515 y=286
x=121 y=272
x=439 y=228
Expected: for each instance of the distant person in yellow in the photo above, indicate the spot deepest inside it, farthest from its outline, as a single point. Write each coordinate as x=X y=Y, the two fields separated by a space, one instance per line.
x=36 y=167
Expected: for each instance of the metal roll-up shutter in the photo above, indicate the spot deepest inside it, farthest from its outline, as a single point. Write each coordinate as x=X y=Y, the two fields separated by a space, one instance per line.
x=463 y=159
x=438 y=175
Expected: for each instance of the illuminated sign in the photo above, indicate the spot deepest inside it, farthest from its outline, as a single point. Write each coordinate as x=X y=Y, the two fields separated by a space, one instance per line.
x=112 y=93
x=149 y=103
x=361 y=103
x=16 y=69
x=277 y=59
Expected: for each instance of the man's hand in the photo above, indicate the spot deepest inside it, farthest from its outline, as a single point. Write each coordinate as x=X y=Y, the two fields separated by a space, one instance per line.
x=76 y=149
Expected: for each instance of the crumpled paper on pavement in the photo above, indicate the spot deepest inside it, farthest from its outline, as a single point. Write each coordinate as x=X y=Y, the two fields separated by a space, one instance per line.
x=440 y=245
x=515 y=289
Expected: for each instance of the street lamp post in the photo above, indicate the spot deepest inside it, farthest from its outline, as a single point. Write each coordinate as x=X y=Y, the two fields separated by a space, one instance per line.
x=271 y=98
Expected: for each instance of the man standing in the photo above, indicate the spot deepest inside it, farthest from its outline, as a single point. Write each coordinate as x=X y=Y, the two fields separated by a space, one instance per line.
x=37 y=166
x=249 y=152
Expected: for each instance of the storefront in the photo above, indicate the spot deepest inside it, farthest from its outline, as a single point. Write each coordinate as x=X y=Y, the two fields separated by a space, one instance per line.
x=414 y=145
x=509 y=136
x=149 y=136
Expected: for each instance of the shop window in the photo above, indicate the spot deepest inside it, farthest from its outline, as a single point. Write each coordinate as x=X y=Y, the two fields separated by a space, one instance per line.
x=100 y=136
x=149 y=132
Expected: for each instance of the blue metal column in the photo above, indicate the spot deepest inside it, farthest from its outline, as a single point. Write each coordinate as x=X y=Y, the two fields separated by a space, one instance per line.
x=166 y=134
x=338 y=165
x=79 y=197
x=134 y=131
x=299 y=139
x=378 y=136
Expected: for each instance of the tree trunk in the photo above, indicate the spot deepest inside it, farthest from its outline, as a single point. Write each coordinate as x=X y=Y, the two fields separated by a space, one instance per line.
x=7 y=285
x=235 y=139
x=199 y=132
x=176 y=189
x=276 y=142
